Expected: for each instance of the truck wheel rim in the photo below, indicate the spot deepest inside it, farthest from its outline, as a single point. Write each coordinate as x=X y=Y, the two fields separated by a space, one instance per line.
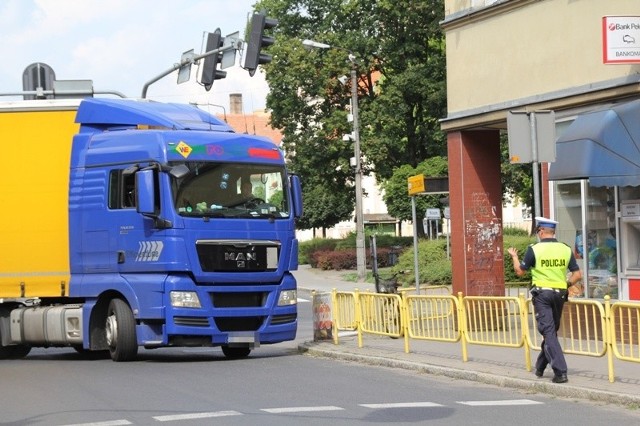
x=112 y=331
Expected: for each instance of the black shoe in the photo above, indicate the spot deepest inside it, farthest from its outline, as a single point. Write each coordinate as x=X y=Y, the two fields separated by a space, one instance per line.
x=539 y=373
x=560 y=379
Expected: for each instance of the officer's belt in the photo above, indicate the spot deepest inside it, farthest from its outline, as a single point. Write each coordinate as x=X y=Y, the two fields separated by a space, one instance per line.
x=557 y=290
x=550 y=286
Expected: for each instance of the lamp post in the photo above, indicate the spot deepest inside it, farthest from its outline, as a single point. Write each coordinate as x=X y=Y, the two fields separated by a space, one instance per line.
x=360 y=246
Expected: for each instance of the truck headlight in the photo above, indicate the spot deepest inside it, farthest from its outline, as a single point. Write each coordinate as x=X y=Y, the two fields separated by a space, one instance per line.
x=288 y=297
x=185 y=299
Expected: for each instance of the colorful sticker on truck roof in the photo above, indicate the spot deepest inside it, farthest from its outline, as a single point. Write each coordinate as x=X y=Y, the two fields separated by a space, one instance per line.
x=183 y=149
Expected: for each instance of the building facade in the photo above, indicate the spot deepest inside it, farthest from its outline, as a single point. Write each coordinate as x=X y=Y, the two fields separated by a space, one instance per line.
x=580 y=61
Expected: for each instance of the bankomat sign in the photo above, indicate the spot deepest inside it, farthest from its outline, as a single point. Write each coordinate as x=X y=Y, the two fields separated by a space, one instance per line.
x=621 y=39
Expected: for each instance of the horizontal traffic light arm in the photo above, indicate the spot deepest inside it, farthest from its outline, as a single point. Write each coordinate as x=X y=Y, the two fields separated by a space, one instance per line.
x=195 y=59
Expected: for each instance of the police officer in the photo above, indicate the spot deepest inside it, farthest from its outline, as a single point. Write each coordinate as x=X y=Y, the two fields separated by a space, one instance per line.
x=548 y=261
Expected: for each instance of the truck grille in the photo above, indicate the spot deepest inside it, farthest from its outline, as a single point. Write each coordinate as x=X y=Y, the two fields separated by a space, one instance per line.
x=238 y=255
x=283 y=319
x=191 y=321
x=238 y=300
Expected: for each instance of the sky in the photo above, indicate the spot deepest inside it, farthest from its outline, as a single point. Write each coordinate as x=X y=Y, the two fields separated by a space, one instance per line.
x=123 y=44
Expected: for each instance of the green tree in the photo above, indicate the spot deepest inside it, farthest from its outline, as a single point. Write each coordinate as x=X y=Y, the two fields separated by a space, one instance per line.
x=517 y=179
x=400 y=61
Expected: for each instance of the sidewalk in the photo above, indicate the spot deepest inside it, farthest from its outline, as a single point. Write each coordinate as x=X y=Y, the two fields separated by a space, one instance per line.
x=505 y=367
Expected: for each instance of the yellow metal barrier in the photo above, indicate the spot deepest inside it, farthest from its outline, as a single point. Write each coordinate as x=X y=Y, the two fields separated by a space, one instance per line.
x=431 y=318
x=381 y=314
x=582 y=331
x=496 y=321
x=625 y=326
x=588 y=328
x=583 y=328
x=344 y=313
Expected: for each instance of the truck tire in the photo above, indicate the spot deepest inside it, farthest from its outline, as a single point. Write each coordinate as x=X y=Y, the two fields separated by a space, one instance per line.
x=14 y=351
x=234 y=352
x=120 y=329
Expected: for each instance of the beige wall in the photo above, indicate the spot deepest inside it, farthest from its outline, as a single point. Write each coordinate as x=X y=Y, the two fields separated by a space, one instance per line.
x=514 y=51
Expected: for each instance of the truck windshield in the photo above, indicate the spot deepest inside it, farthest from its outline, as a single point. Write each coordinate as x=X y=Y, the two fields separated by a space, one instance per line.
x=231 y=190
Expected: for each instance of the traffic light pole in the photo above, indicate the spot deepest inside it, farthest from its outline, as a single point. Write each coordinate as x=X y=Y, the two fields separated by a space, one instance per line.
x=361 y=262
x=188 y=61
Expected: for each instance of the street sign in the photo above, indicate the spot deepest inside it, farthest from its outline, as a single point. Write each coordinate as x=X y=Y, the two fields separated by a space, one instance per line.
x=184 y=73
x=621 y=39
x=432 y=214
x=521 y=141
x=419 y=184
x=229 y=56
x=416 y=184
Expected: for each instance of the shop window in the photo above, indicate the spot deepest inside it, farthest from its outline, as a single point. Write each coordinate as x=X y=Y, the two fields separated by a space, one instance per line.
x=587 y=222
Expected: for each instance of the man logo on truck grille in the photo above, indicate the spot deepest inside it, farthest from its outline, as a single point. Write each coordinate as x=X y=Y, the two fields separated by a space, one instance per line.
x=149 y=251
x=240 y=258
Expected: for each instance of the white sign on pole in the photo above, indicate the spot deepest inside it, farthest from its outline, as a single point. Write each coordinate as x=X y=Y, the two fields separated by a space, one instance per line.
x=519 y=135
x=621 y=39
x=432 y=214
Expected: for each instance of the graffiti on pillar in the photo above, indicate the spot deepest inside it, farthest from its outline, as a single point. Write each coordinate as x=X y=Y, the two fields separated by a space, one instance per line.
x=482 y=228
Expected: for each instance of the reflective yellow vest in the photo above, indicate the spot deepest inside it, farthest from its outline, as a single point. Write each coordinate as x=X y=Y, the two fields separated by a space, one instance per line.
x=552 y=260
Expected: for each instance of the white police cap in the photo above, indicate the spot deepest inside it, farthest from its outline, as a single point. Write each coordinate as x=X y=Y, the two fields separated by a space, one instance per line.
x=543 y=222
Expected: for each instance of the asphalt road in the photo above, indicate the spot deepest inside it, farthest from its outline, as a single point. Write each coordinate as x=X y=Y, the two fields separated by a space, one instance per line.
x=274 y=386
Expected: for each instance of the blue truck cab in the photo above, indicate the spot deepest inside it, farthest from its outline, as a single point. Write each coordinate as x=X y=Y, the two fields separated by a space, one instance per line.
x=165 y=247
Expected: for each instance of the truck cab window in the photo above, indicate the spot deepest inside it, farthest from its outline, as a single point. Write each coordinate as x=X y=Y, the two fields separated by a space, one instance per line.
x=232 y=190
x=121 y=190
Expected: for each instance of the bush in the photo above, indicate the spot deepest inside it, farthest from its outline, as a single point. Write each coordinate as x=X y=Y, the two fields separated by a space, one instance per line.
x=433 y=265
x=334 y=259
x=307 y=248
x=521 y=243
x=514 y=232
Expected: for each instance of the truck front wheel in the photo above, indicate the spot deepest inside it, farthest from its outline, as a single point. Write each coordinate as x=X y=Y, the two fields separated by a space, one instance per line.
x=120 y=329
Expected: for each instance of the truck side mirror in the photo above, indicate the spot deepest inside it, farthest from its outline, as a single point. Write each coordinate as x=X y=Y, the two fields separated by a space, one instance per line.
x=296 y=195
x=145 y=193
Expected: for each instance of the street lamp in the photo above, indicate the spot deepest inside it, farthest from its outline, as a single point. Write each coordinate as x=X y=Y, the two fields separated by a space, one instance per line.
x=360 y=247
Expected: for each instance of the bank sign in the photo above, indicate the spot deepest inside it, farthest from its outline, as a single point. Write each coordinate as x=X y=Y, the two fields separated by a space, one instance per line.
x=621 y=39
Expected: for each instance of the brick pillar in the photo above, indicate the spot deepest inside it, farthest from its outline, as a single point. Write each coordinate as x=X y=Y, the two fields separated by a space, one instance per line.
x=475 y=194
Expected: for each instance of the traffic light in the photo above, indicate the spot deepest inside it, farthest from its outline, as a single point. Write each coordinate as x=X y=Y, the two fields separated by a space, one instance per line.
x=257 y=40
x=210 y=71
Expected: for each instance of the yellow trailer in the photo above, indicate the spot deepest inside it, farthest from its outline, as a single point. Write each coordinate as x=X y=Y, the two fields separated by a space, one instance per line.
x=34 y=247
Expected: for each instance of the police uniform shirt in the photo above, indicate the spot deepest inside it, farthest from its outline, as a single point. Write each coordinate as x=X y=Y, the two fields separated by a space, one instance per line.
x=529 y=260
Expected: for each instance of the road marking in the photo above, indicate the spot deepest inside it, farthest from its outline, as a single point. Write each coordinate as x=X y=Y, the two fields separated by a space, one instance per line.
x=402 y=405
x=107 y=423
x=301 y=409
x=178 y=417
x=505 y=402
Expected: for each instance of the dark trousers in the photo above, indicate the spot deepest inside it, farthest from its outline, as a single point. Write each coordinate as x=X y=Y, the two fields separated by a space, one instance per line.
x=548 y=308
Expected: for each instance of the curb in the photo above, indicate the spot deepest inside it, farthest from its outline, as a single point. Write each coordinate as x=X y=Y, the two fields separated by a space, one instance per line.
x=559 y=390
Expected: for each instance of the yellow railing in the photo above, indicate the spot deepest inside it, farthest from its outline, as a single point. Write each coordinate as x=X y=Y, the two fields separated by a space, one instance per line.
x=380 y=314
x=588 y=327
x=625 y=323
x=344 y=312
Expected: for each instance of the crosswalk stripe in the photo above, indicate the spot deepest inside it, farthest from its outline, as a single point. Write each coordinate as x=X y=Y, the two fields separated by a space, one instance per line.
x=190 y=416
x=504 y=402
x=402 y=405
x=301 y=409
x=107 y=423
